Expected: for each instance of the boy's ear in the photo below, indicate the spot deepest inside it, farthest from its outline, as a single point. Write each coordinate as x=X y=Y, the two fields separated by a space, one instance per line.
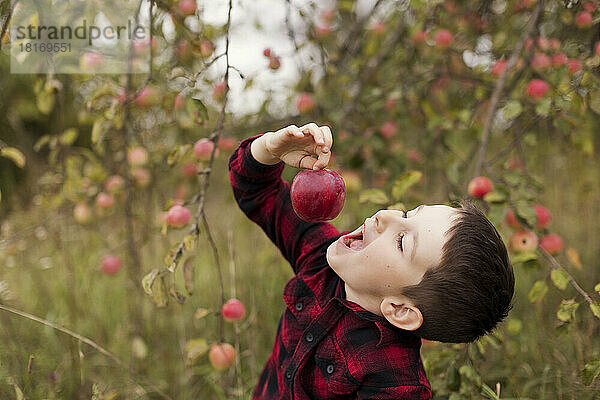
x=402 y=313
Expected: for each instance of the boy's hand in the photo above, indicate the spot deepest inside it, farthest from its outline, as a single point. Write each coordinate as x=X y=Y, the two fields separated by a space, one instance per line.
x=296 y=146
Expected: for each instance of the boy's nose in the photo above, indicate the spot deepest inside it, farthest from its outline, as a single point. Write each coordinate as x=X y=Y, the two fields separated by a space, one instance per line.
x=384 y=218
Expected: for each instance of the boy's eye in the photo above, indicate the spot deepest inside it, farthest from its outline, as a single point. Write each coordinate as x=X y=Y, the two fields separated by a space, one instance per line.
x=400 y=238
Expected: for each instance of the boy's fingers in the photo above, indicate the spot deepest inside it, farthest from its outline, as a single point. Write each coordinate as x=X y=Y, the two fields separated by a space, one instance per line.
x=314 y=130
x=322 y=161
x=328 y=138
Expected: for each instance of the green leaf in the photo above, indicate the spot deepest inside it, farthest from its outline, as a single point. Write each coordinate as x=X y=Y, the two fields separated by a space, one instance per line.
x=559 y=278
x=566 y=311
x=198 y=110
x=590 y=372
x=45 y=101
x=98 y=130
x=194 y=349
x=595 y=307
x=526 y=213
x=512 y=109
x=452 y=378
x=159 y=292
x=597 y=288
x=69 y=136
x=405 y=181
x=373 y=196
x=397 y=206
x=595 y=100
x=148 y=280
x=14 y=155
x=41 y=142
x=542 y=108
x=524 y=257
x=538 y=291
x=494 y=197
x=188 y=275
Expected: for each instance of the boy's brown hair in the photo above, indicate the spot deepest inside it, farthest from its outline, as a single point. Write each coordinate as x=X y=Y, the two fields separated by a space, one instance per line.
x=470 y=291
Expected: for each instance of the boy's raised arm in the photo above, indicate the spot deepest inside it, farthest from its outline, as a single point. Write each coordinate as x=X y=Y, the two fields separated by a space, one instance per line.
x=255 y=174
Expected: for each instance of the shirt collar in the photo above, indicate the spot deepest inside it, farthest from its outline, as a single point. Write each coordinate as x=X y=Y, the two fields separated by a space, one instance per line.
x=388 y=333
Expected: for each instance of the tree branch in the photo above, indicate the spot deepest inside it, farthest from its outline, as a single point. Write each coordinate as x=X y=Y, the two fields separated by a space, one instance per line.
x=501 y=82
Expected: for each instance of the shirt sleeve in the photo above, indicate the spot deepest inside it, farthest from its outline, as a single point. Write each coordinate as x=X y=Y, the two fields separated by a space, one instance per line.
x=406 y=392
x=264 y=197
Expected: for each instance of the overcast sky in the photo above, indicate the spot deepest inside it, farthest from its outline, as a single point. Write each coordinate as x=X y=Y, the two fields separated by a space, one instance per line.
x=247 y=43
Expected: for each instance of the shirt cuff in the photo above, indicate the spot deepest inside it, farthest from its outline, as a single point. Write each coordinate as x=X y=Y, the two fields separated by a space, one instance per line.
x=252 y=168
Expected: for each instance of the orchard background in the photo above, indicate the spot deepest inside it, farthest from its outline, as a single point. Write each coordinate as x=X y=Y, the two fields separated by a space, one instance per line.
x=422 y=97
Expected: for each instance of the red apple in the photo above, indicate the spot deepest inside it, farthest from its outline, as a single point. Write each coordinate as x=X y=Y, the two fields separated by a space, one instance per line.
x=443 y=38
x=219 y=91
x=537 y=88
x=583 y=19
x=141 y=176
x=233 y=310
x=555 y=44
x=111 y=264
x=559 y=59
x=499 y=67
x=141 y=46
x=543 y=43
x=543 y=216
x=552 y=243
x=267 y=52
x=480 y=186
x=420 y=36
x=147 y=97
x=187 y=7
x=528 y=43
x=114 y=183
x=203 y=148
x=105 y=200
x=274 y=63
x=540 y=62
x=322 y=30
x=226 y=143
x=378 y=28
x=183 y=49
x=414 y=155
x=523 y=241
x=206 y=48
x=598 y=49
x=317 y=195
x=178 y=216
x=389 y=104
x=91 y=60
x=82 y=213
x=327 y=14
x=511 y=220
x=388 y=129
x=514 y=164
x=137 y=156
x=574 y=66
x=178 y=102
x=189 y=170
x=221 y=356
x=589 y=7
x=305 y=103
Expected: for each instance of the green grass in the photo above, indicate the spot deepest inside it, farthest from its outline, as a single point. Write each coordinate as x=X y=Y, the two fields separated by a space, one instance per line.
x=537 y=361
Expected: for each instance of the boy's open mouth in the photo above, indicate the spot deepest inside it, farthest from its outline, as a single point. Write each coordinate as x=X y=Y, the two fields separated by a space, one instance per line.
x=355 y=241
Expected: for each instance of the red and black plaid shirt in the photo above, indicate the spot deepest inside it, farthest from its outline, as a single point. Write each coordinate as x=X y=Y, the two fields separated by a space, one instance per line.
x=326 y=347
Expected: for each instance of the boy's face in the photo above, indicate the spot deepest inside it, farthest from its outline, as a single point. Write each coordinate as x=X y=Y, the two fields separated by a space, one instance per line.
x=378 y=266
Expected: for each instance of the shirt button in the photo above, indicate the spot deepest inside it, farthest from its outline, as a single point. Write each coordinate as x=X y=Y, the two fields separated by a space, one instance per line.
x=288 y=375
x=330 y=369
x=299 y=306
x=309 y=337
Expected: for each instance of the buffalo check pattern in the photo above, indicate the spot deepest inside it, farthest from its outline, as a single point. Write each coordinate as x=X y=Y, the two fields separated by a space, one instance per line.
x=326 y=347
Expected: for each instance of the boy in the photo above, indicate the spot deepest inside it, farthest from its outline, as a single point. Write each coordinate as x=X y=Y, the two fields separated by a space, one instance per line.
x=360 y=302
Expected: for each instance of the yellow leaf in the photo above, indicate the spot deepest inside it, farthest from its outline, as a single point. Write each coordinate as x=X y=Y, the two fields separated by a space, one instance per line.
x=574 y=258
x=13 y=154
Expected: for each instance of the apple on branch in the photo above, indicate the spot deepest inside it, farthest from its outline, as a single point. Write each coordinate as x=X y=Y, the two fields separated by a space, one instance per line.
x=221 y=356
